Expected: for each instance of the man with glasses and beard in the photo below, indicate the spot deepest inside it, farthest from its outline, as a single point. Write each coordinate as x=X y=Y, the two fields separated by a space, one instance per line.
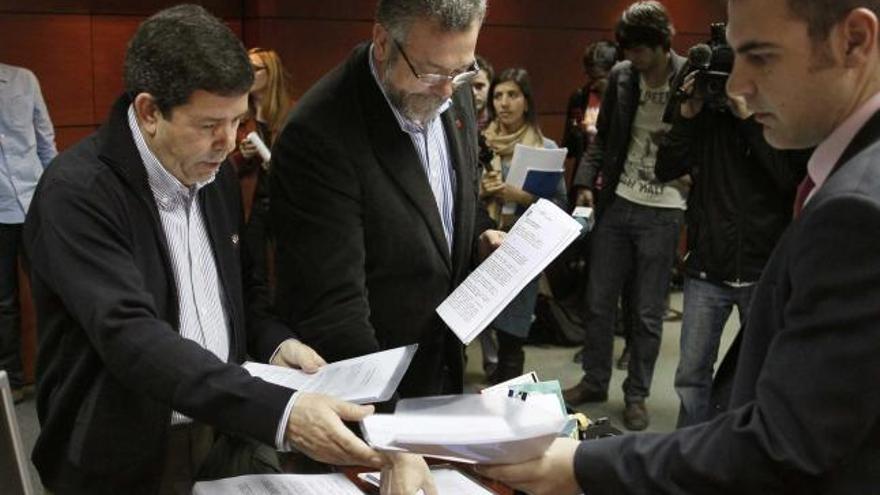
x=374 y=193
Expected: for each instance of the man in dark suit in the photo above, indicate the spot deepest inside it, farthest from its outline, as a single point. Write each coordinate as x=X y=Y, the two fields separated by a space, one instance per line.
x=374 y=193
x=803 y=414
x=146 y=303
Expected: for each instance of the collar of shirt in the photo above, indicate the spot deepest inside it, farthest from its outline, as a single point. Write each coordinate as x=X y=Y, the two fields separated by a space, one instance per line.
x=831 y=149
x=163 y=185
x=406 y=124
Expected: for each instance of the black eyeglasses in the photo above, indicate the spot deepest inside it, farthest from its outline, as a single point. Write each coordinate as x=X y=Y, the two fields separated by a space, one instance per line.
x=437 y=79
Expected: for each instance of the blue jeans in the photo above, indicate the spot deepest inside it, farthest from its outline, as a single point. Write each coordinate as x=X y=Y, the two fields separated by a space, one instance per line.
x=706 y=308
x=641 y=240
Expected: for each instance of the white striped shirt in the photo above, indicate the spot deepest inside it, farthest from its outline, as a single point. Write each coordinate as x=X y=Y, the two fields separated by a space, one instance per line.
x=433 y=150
x=203 y=318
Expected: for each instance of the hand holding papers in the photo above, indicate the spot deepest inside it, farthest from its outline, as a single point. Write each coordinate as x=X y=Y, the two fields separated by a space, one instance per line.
x=364 y=379
x=536 y=239
x=535 y=170
x=486 y=428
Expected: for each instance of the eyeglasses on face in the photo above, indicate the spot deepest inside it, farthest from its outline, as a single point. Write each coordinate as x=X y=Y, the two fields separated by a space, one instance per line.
x=438 y=79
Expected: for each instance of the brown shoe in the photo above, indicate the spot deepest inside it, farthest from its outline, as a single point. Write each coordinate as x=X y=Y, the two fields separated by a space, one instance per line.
x=583 y=392
x=635 y=416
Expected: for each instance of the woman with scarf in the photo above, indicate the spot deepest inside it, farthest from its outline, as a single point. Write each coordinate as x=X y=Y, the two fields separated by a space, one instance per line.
x=513 y=121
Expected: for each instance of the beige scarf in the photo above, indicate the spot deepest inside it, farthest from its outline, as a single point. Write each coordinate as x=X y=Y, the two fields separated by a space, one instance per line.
x=503 y=145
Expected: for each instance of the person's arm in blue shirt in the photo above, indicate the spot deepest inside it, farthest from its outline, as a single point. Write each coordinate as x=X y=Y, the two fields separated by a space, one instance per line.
x=43 y=128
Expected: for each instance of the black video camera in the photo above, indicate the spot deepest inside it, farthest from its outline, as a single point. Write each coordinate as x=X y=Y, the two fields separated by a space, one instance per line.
x=713 y=62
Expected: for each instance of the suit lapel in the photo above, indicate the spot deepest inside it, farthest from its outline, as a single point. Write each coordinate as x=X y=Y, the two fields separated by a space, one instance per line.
x=224 y=245
x=118 y=150
x=394 y=150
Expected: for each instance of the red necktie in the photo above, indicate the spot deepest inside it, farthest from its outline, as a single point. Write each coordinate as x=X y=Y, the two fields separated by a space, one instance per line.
x=803 y=191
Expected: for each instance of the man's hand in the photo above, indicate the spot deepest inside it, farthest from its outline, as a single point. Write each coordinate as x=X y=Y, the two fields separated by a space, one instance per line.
x=315 y=428
x=693 y=105
x=552 y=474
x=406 y=474
x=584 y=198
x=490 y=240
x=295 y=354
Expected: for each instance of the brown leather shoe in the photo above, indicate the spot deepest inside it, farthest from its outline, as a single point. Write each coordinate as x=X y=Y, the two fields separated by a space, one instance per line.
x=583 y=392
x=635 y=416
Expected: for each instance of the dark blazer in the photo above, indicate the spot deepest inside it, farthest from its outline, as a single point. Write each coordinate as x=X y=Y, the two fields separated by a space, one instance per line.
x=742 y=192
x=804 y=414
x=607 y=153
x=362 y=260
x=111 y=363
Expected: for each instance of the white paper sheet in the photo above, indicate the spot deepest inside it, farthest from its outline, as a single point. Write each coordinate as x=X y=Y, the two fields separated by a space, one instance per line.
x=362 y=380
x=537 y=238
x=448 y=480
x=277 y=484
x=527 y=158
x=488 y=429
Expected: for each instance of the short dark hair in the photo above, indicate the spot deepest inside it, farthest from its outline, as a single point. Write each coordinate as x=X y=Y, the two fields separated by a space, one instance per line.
x=520 y=77
x=486 y=67
x=183 y=49
x=645 y=23
x=822 y=15
x=601 y=54
x=397 y=16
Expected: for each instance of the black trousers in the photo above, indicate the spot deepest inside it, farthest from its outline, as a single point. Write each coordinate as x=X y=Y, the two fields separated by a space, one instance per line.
x=10 y=311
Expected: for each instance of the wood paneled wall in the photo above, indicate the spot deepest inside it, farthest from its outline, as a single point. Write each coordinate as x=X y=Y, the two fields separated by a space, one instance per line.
x=547 y=37
x=76 y=48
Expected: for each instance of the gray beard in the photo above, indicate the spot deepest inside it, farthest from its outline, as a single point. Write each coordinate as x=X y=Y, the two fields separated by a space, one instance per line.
x=417 y=107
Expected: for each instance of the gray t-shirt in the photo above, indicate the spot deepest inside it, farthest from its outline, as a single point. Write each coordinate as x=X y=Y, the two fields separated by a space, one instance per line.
x=637 y=182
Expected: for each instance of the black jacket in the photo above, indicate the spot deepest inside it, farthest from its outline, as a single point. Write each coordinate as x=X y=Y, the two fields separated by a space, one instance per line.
x=362 y=259
x=111 y=362
x=741 y=197
x=607 y=153
x=804 y=410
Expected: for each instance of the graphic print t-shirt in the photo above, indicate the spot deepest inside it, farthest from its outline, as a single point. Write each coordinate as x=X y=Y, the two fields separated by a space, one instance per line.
x=637 y=182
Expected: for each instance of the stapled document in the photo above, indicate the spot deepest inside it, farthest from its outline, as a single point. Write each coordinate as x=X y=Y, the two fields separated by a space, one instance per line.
x=362 y=380
x=537 y=238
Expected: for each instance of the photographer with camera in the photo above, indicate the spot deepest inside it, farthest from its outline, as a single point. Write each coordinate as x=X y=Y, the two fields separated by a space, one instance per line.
x=739 y=204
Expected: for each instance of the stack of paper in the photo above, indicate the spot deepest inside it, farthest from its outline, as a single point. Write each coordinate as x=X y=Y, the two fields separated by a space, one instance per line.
x=447 y=480
x=274 y=484
x=488 y=429
x=362 y=380
x=540 y=235
x=535 y=170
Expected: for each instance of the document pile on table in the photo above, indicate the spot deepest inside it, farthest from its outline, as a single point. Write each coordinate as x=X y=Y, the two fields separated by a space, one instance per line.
x=537 y=238
x=447 y=479
x=484 y=428
x=362 y=380
x=259 y=484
